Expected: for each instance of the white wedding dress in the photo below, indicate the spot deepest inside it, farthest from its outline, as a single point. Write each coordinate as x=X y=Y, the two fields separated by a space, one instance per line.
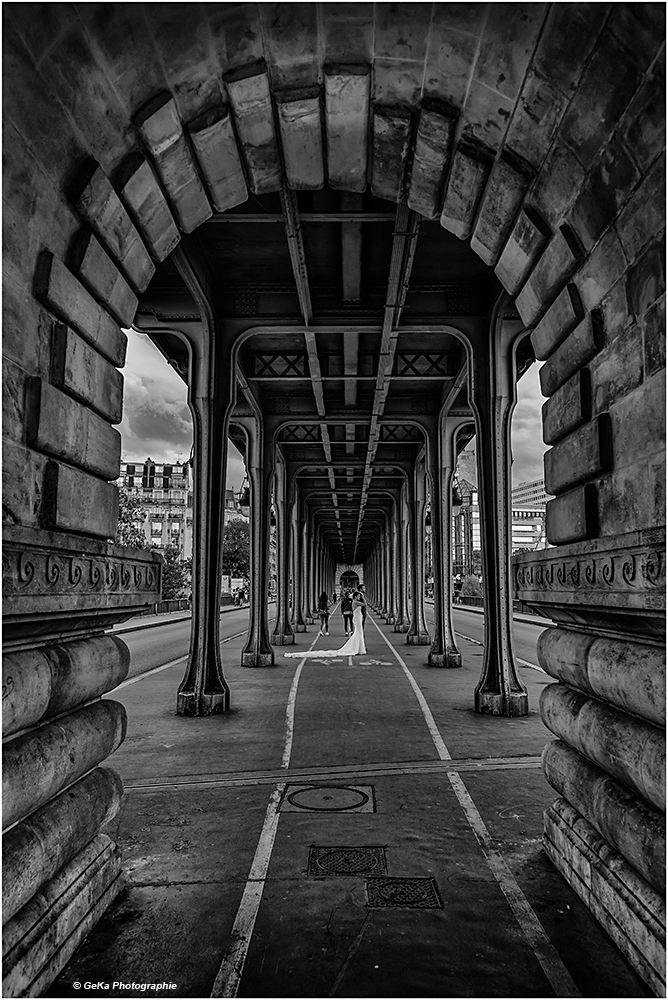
x=353 y=647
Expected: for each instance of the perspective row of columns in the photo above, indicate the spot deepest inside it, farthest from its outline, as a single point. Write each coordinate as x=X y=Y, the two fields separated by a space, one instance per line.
x=394 y=574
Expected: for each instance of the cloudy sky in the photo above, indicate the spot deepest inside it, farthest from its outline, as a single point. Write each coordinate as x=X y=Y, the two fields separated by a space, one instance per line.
x=156 y=418
x=157 y=423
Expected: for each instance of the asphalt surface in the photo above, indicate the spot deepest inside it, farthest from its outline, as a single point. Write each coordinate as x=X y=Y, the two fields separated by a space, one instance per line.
x=427 y=818
x=152 y=647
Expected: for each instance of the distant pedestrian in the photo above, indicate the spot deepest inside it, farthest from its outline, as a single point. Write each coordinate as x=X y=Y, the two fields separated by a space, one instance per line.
x=458 y=585
x=323 y=611
x=347 y=611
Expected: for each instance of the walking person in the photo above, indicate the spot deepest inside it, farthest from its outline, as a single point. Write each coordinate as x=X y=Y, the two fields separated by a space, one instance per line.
x=323 y=611
x=347 y=611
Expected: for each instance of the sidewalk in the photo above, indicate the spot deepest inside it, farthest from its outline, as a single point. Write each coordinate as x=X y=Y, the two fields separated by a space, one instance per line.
x=392 y=837
x=149 y=621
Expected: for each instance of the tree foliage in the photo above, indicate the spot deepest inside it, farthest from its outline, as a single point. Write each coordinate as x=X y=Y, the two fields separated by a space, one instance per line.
x=236 y=549
x=471 y=587
x=176 y=575
x=130 y=510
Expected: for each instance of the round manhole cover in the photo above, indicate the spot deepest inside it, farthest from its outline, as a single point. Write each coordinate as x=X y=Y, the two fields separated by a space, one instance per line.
x=328 y=798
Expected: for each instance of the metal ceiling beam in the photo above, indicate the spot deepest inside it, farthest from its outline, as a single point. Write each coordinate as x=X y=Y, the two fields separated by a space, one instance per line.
x=404 y=245
x=296 y=250
x=261 y=218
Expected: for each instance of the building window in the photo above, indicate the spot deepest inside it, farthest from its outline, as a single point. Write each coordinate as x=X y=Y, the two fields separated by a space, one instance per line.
x=165 y=482
x=129 y=480
x=156 y=527
x=148 y=477
x=130 y=470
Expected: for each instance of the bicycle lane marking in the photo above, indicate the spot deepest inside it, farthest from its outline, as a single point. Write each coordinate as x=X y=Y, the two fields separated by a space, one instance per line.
x=228 y=979
x=546 y=954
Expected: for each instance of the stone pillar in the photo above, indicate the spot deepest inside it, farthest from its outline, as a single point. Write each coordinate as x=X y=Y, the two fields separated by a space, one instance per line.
x=602 y=581
x=442 y=458
x=389 y=563
x=283 y=634
x=260 y=468
x=500 y=690
x=204 y=690
x=418 y=633
x=309 y=601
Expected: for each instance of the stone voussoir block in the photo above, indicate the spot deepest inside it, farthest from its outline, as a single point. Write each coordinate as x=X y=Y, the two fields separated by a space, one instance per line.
x=525 y=244
x=77 y=501
x=99 y=204
x=508 y=182
x=573 y=516
x=568 y=408
x=391 y=135
x=81 y=372
x=250 y=97
x=433 y=142
x=38 y=764
x=300 y=125
x=218 y=156
x=61 y=426
x=579 y=347
x=582 y=455
x=65 y=297
x=560 y=319
x=100 y=275
x=145 y=201
x=347 y=89
x=161 y=130
x=468 y=175
x=470 y=168
x=555 y=267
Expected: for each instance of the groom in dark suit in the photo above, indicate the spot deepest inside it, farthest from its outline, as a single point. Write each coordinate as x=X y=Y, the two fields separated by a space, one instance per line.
x=361 y=596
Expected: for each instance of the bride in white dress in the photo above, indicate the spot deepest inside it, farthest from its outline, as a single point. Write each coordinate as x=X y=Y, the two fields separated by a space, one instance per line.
x=355 y=644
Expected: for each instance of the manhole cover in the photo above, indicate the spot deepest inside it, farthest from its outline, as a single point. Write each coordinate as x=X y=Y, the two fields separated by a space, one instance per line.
x=328 y=798
x=415 y=893
x=342 y=862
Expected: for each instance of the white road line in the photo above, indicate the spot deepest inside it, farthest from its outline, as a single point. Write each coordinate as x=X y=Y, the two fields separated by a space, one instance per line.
x=226 y=983
x=147 y=673
x=534 y=932
x=172 y=663
x=518 y=659
x=441 y=748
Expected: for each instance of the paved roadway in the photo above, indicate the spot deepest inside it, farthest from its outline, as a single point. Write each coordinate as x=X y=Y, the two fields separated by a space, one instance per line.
x=152 y=647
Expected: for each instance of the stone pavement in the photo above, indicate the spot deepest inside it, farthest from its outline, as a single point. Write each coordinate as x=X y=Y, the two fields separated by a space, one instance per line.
x=391 y=835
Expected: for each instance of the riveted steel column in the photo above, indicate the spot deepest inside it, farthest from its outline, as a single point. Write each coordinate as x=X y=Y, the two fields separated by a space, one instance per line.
x=500 y=690
x=283 y=634
x=442 y=458
x=260 y=468
x=203 y=690
x=418 y=633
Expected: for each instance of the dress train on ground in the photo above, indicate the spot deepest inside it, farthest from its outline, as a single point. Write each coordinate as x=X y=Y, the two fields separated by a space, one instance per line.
x=353 y=647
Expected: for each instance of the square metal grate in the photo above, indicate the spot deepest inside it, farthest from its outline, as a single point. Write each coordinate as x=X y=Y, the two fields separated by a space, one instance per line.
x=411 y=893
x=346 y=862
x=328 y=799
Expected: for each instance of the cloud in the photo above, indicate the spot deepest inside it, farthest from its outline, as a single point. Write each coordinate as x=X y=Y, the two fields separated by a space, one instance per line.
x=156 y=418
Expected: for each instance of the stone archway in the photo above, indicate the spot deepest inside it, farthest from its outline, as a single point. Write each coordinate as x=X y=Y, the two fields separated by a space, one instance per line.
x=508 y=128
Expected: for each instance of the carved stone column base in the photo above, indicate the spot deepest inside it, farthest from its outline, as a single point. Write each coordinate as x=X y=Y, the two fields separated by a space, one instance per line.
x=400 y=627
x=451 y=658
x=299 y=628
x=282 y=639
x=188 y=703
x=627 y=906
x=495 y=703
x=309 y=620
x=389 y=620
x=419 y=639
x=257 y=659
